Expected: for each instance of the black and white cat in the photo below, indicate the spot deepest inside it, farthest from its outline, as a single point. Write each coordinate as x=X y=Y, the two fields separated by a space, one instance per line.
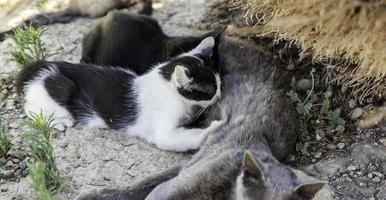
x=153 y=106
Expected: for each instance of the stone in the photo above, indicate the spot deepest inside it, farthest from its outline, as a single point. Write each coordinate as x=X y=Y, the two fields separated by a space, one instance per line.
x=317 y=154
x=382 y=141
x=341 y=145
x=304 y=84
x=352 y=103
x=16 y=161
x=370 y=175
x=2 y=96
x=8 y=173
x=378 y=174
x=14 y=125
x=376 y=180
x=351 y=168
x=356 y=113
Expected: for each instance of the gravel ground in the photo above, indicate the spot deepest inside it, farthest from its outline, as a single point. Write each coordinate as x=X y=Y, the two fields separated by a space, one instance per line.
x=354 y=164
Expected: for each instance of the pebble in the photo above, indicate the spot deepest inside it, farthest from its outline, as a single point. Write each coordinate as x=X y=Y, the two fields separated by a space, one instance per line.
x=370 y=175
x=351 y=168
x=356 y=113
x=352 y=103
x=317 y=154
x=378 y=174
x=376 y=180
x=16 y=161
x=14 y=125
x=383 y=141
x=2 y=96
x=8 y=173
x=341 y=145
x=304 y=84
x=9 y=163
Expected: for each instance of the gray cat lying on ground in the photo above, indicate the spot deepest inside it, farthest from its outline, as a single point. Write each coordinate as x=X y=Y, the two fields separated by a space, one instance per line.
x=242 y=158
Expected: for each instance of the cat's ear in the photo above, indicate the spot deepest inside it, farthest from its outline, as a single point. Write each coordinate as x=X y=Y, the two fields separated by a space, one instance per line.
x=181 y=77
x=253 y=167
x=308 y=190
x=173 y=49
x=205 y=48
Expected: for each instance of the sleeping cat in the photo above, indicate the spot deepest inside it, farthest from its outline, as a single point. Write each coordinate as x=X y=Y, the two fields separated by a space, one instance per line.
x=153 y=106
x=135 y=42
x=241 y=158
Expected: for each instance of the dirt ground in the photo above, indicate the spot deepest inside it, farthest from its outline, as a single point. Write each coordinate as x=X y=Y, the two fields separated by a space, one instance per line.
x=354 y=164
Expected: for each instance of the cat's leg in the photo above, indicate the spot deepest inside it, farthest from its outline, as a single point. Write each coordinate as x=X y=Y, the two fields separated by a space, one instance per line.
x=138 y=191
x=183 y=139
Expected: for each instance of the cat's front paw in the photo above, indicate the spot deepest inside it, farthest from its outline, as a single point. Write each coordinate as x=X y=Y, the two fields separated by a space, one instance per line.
x=63 y=123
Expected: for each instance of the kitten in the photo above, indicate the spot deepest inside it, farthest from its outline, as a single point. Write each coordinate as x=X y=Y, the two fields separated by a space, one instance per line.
x=81 y=8
x=151 y=106
x=136 y=42
x=240 y=159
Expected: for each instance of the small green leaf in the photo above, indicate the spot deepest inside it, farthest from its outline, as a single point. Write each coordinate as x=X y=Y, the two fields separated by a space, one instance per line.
x=325 y=105
x=294 y=96
x=340 y=129
x=319 y=132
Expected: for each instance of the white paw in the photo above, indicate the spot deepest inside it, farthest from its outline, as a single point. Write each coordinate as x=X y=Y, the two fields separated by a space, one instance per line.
x=62 y=123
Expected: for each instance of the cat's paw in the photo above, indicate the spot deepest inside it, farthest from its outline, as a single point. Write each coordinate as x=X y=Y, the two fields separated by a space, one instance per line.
x=61 y=124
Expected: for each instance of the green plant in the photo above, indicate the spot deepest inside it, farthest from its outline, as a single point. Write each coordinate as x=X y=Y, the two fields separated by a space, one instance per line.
x=37 y=179
x=316 y=118
x=5 y=142
x=41 y=4
x=29 y=46
x=41 y=150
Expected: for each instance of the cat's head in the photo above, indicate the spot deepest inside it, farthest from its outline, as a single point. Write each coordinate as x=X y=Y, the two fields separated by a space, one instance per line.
x=267 y=179
x=194 y=74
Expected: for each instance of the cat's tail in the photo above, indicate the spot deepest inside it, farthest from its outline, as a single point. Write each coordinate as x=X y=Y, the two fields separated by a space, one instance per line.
x=29 y=72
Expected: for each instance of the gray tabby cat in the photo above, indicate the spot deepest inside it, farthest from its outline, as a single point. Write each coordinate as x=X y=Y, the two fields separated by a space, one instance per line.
x=241 y=159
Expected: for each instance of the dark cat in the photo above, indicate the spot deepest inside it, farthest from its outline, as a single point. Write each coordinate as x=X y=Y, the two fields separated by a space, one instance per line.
x=151 y=106
x=136 y=42
x=240 y=159
x=82 y=8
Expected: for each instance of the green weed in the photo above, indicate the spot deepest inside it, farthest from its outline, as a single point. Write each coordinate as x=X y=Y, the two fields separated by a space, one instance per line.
x=41 y=150
x=37 y=179
x=29 y=45
x=5 y=142
x=316 y=118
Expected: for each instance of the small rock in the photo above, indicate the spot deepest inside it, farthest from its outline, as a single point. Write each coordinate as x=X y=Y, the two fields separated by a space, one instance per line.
x=18 y=174
x=352 y=103
x=3 y=188
x=370 y=175
x=376 y=180
x=3 y=161
x=17 y=154
x=8 y=173
x=341 y=145
x=378 y=174
x=9 y=163
x=304 y=84
x=2 y=96
x=317 y=154
x=384 y=167
x=383 y=141
x=16 y=161
x=356 y=113
x=351 y=168
x=14 y=125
